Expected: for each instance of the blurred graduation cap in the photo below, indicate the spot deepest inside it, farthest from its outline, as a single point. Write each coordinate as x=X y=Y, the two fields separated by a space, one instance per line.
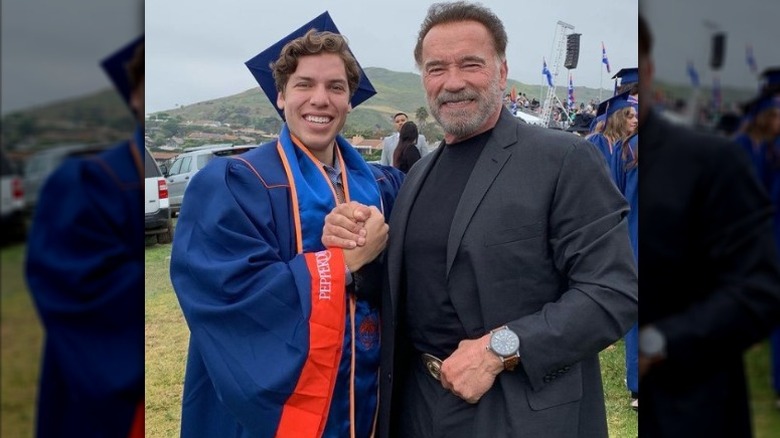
x=616 y=103
x=626 y=76
x=770 y=80
x=115 y=66
x=261 y=69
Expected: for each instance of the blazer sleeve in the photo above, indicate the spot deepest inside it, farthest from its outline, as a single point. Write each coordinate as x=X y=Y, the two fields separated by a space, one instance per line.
x=590 y=248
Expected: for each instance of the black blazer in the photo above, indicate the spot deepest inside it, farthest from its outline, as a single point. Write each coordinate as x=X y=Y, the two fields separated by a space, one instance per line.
x=539 y=241
x=710 y=278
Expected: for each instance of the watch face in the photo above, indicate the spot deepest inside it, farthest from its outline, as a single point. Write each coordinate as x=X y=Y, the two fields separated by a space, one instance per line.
x=651 y=342
x=504 y=342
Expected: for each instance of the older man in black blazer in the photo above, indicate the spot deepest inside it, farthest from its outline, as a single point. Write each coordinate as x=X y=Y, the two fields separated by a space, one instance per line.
x=509 y=265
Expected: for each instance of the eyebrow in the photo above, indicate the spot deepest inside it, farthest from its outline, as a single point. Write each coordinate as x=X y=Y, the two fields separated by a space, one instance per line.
x=310 y=79
x=467 y=58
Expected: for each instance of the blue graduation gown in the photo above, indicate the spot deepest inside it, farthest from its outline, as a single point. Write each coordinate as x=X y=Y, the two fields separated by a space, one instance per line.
x=602 y=144
x=85 y=271
x=627 y=181
x=246 y=294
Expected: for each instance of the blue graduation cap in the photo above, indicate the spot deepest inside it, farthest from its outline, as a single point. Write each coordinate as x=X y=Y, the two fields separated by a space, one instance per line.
x=626 y=76
x=261 y=69
x=616 y=103
x=115 y=66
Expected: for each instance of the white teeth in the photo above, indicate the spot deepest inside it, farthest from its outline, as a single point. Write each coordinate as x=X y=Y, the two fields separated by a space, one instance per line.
x=316 y=119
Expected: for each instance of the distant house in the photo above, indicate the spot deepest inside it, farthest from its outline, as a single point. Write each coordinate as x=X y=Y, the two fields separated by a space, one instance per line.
x=162 y=157
x=365 y=146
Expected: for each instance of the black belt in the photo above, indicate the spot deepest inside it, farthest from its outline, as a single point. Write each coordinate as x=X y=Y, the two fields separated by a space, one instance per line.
x=432 y=365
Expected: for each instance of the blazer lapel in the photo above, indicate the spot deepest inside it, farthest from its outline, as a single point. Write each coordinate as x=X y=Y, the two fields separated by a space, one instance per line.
x=489 y=164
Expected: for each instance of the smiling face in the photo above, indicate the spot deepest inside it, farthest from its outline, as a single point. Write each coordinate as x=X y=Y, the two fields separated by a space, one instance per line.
x=464 y=78
x=315 y=102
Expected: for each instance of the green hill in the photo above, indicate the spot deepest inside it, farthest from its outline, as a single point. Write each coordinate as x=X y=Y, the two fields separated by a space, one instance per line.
x=101 y=117
x=104 y=117
x=396 y=92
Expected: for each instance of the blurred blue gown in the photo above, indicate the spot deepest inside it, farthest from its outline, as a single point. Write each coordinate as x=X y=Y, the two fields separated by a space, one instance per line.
x=627 y=181
x=85 y=271
x=602 y=144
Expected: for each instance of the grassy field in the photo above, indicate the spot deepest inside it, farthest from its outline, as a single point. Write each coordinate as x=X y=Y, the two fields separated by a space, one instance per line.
x=21 y=339
x=166 y=348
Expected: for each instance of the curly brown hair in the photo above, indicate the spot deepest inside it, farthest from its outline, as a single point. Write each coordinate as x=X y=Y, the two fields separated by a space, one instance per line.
x=314 y=43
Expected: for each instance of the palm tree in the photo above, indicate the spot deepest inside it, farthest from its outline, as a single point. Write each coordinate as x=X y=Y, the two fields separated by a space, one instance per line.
x=421 y=115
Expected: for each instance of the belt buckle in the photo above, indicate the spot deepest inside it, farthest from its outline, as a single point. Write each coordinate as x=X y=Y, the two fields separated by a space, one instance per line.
x=432 y=365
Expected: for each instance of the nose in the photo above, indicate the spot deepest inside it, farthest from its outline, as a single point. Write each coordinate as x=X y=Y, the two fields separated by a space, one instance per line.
x=319 y=96
x=453 y=80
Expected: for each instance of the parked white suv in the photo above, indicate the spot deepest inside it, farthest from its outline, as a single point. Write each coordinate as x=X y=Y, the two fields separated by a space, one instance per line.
x=157 y=210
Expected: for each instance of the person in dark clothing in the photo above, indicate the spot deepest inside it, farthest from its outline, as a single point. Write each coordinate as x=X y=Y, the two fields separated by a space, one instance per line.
x=710 y=277
x=508 y=261
x=406 y=153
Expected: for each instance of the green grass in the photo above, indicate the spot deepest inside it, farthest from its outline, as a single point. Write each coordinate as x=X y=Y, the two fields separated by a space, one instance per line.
x=166 y=347
x=21 y=339
x=766 y=417
x=621 y=418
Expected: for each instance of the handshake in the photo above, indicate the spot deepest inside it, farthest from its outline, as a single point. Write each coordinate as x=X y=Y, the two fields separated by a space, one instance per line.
x=358 y=229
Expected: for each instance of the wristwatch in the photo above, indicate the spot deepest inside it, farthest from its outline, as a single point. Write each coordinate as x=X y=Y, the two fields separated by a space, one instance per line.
x=652 y=343
x=505 y=344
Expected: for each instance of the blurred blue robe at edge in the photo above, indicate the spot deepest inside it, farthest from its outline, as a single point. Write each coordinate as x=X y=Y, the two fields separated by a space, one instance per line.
x=85 y=271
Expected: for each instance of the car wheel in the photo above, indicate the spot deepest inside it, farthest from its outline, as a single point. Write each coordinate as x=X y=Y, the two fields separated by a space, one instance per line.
x=167 y=236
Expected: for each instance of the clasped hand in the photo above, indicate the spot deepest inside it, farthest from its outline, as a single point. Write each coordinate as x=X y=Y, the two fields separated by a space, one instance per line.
x=360 y=230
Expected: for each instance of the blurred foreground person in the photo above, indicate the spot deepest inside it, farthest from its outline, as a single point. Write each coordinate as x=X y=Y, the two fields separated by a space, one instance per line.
x=710 y=278
x=85 y=271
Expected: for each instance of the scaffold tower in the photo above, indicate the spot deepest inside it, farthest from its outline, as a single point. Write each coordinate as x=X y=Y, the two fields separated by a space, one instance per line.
x=559 y=51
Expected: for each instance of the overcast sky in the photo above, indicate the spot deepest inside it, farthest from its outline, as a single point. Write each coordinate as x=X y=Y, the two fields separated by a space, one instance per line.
x=196 y=49
x=51 y=49
x=683 y=31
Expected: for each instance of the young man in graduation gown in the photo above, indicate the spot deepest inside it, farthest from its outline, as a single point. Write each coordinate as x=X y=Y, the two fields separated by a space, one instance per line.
x=85 y=271
x=283 y=342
